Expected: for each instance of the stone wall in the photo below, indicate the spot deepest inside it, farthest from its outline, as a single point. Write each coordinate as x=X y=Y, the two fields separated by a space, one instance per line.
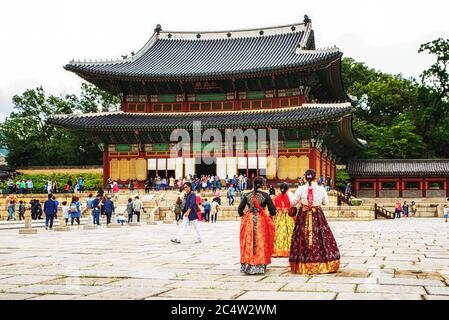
x=436 y=193
x=412 y=194
x=389 y=193
x=366 y=193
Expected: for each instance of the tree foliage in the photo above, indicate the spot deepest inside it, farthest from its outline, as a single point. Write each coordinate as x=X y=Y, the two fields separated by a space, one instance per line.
x=32 y=141
x=399 y=117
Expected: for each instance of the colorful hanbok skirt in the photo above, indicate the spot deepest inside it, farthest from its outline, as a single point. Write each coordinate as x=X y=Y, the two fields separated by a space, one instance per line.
x=284 y=226
x=256 y=242
x=313 y=248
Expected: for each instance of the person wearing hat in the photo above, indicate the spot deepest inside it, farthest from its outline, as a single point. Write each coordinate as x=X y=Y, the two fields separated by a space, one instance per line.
x=256 y=230
x=189 y=214
x=109 y=209
x=284 y=224
x=313 y=249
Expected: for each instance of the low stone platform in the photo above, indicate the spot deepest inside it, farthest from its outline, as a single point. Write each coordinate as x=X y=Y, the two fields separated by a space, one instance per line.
x=381 y=259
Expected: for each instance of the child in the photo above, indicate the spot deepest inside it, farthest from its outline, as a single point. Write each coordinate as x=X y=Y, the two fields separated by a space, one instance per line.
x=413 y=208
x=446 y=212
x=21 y=210
x=65 y=212
x=121 y=219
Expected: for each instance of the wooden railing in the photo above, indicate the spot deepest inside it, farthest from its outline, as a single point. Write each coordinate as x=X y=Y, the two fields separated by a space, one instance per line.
x=382 y=212
x=341 y=198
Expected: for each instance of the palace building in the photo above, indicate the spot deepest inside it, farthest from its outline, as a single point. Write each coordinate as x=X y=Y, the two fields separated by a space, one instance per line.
x=264 y=78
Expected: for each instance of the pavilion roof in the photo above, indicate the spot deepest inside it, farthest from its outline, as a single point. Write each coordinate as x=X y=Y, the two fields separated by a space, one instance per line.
x=307 y=114
x=398 y=167
x=197 y=55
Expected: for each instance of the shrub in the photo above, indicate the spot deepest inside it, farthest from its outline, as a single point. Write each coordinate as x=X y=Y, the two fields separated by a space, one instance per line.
x=91 y=180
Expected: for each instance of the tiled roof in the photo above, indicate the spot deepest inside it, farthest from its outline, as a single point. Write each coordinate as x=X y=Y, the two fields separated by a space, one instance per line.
x=124 y=121
x=200 y=54
x=398 y=168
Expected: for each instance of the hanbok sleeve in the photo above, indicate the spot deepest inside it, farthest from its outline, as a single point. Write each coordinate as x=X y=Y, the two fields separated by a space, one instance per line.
x=242 y=205
x=270 y=205
x=296 y=197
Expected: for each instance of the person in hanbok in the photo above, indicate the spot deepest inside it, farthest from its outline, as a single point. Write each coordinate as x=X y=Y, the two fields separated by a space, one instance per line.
x=256 y=230
x=313 y=249
x=284 y=224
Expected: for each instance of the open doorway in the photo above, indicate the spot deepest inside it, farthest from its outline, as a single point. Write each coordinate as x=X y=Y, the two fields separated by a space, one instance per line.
x=208 y=167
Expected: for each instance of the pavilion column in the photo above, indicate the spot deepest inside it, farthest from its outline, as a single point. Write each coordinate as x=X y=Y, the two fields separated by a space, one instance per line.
x=356 y=186
x=377 y=187
x=312 y=158
x=424 y=189
x=447 y=187
x=400 y=187
x=106 y=171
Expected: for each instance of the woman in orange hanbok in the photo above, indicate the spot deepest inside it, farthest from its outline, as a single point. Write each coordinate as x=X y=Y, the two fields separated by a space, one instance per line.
x=284 y=224
x=256 y=230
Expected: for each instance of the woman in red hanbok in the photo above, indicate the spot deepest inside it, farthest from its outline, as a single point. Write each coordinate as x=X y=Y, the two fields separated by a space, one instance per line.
x=313 y=248
x=256 y=230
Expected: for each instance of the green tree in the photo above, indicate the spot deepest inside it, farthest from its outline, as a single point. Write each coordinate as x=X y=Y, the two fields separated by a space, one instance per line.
x=31 y=141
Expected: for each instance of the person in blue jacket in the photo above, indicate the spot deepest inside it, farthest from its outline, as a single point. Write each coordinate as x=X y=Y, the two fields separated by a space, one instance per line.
x=50 y=209
x=109 y=209
x=189 y=213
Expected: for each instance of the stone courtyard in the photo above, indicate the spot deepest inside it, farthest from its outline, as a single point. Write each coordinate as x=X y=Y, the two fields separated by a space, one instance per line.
x=381 y=259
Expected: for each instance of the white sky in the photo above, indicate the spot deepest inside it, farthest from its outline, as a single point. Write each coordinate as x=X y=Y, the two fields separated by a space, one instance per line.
x=38 y=37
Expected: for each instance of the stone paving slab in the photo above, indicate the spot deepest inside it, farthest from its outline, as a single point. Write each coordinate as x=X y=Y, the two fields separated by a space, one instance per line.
x=129 y=292
x=385 y=288
x=438 y=290
x=16 y=296
x=318 y=287
x=26 y=279
x=65 y=297
x=378 y=296
x=203 y=293
x=382 y=259
x=283 y=295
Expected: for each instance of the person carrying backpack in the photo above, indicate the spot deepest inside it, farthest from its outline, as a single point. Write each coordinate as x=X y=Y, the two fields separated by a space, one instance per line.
x=75 y=210
x=207 y=208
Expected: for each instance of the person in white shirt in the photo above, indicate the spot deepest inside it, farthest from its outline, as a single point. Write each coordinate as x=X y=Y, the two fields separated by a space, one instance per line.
x=313 y=249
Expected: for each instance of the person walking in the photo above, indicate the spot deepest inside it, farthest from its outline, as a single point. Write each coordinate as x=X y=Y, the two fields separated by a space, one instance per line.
x=413 y=208
x=11 y=208
x=75 y=210
x=405 y=209
x=21 y=210
x=189 y=214
x=398 y=209
x=214 y=211
x=137 y=207
x=96 y=209
x=109 y=185
x=109 y=209
x=348 y=190
x=313 y=249
x=446 y=212
x=178 y=210
x=65 y=212
x=50 y=210
x=130 y=210
x=231 y=192
x=207 y=208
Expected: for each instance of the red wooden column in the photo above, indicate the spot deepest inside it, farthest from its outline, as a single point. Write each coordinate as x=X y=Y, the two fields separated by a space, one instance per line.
x=377 y=187
x=106 y=171
x=447 y=187
x=356 y=186
x=312 y=158
x=424 y=189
